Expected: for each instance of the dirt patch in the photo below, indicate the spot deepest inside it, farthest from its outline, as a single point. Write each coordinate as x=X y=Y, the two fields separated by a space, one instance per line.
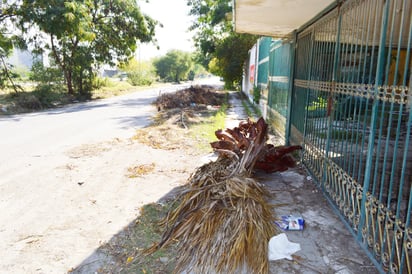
x=140 y=170
x=126 y=248
x=87 y=150
x=171 y=129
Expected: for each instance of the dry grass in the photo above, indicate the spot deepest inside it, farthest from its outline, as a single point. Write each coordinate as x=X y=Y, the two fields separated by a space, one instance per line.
x=181 y=129
x=140 y=170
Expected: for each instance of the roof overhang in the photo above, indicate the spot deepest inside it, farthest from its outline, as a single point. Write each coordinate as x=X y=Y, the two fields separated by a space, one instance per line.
x=276 y=18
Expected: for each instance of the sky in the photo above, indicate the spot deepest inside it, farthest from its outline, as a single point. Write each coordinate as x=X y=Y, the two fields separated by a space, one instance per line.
x=173 y=14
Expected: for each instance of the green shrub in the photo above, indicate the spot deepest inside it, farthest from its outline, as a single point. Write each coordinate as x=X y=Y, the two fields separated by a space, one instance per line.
x=47 y=95
x=256 y=94
x=45 y=75
x=24 y=100
x=99 y=82
x=44 y=96
x=137 y=79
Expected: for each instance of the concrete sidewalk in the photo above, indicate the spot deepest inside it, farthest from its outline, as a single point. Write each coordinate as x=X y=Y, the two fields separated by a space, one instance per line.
x=326 y=244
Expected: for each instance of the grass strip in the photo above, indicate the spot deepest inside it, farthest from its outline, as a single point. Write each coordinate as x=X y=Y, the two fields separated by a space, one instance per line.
x=204 y=132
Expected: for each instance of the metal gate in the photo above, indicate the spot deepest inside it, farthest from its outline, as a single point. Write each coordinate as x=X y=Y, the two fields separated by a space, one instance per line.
x=350 y=108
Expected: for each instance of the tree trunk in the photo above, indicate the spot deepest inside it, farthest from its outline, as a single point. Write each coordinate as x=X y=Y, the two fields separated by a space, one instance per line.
x=69 y=82
x=66 y=72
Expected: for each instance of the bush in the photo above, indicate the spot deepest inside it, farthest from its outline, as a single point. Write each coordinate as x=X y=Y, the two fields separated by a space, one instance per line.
x=99 y=82
x=137 y=79
x=256 y=94
x=44 y=75
x=44 y=96
x=23 y=100
x=47 y=95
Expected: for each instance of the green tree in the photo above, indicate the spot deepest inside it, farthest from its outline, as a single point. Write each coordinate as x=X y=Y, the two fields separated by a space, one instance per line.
x=174 y=66
x=221 y=49
x=231 y=53
x=139 y=73
x=198 y=69
x=6 y=47
x=83 y=34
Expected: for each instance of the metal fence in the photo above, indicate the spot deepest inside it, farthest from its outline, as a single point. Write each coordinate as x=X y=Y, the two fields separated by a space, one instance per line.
x=280 y=61
x=340 y=87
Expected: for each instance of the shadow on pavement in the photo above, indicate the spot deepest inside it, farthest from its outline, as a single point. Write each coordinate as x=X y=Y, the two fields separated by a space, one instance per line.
x=326 y=244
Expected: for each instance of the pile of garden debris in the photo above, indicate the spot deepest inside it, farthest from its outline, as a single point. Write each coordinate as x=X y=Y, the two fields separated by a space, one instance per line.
x=194 y=96
x=222 y=220
x=177 y=112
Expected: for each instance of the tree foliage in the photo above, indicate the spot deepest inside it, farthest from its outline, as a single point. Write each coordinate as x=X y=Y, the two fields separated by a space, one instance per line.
x=4 y=67
x=174 y=66
x=139 y=73
x=221 y=49
x=45 y=75
x=80 y=35
x=6 y=47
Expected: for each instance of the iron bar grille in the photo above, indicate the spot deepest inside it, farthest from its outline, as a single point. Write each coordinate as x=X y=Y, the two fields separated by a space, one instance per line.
x=351 y=110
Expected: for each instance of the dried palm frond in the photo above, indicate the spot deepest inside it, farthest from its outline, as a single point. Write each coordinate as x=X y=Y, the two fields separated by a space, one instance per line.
x=248 y=142
x=273 y=159
x=222 y=225
x=223 y=221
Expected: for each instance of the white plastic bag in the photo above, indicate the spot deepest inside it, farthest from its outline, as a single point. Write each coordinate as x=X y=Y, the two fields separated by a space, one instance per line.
x=280 y=247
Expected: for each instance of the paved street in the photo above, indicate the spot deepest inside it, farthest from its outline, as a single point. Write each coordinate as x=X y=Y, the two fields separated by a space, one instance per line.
x=36 y=134
x=63 y=188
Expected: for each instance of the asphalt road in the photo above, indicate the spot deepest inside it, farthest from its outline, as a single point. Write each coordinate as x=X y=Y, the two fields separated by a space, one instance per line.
x=54 y=165
x=35 y=134
x=25 y=137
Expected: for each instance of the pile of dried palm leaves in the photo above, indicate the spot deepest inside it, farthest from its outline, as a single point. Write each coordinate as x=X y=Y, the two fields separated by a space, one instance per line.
x=192 y=96
x=223 y=221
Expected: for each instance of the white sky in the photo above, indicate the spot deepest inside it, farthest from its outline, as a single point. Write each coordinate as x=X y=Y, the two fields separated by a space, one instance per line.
x=173 y=14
